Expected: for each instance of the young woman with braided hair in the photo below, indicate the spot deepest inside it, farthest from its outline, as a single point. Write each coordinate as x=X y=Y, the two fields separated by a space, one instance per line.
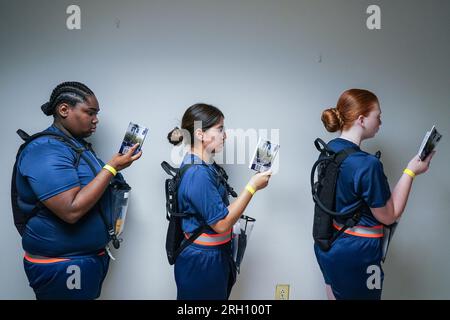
x=65 y=238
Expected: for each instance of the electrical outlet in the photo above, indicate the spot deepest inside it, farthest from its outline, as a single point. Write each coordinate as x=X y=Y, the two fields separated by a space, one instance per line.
x=282 y=292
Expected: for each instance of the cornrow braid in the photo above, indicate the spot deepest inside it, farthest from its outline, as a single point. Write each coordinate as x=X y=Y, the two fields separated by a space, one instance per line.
x=67 y=92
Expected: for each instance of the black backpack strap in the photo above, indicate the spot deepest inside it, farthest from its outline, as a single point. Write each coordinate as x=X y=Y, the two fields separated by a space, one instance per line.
x=203 y=227
x=171 y=187
x=322 y=147
x=188 y=241
x=19 y=220
x=27 y=138
x=79 y=153
x=181 y=173
x=349 y=223
x=171 y=204
x=323 y=191
x=171 y=171
x=184 y=169
x=108 y=223
x=223 y=178
x=344 y=154
x=23 y=135
x=356 y=216
x=338 y=158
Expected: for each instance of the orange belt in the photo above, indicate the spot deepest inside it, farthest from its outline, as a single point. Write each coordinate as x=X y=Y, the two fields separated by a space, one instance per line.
x=360 y=231
x=41 y=259
x=211 y=239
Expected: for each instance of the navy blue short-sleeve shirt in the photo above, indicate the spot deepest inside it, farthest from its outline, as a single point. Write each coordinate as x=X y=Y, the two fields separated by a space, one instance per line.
x=201 y=192
x=361 y=175
x=46 y=168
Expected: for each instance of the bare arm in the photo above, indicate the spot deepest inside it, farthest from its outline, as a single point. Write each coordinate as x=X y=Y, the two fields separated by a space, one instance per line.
x=235 y=210
x=73 y=204
x=396 y=204
x=237 y=207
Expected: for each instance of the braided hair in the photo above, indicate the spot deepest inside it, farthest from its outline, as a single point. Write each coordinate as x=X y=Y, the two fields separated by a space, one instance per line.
x=66 y=92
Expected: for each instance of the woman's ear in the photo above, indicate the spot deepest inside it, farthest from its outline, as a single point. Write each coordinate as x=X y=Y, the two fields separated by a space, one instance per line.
x=361 y=121
x=63 y=110
x=198 y=134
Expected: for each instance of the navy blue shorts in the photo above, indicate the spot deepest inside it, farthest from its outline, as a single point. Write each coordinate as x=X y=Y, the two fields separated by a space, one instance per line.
x=352 y=267
x=72 y=278
x=204 y=273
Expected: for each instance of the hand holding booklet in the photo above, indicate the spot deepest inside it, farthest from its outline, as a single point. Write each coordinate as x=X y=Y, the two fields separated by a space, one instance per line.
x=134 y=134
x=429 y=143
x=264 y=156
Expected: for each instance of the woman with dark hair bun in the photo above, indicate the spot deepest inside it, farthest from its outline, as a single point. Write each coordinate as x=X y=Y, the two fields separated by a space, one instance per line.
x=355 y=256
x=205 y=269
x=64 y=236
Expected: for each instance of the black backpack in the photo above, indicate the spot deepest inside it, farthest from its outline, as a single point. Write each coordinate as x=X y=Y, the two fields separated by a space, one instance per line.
x=324 y=195
x=175 y=239
x=117 y=185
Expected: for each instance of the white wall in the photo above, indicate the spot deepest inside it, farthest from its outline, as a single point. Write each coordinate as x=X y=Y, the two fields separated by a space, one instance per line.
x=258 y=60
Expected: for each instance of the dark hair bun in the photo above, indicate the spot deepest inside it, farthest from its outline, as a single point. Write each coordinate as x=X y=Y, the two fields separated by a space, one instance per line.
x=175 y=136
x=47 y=109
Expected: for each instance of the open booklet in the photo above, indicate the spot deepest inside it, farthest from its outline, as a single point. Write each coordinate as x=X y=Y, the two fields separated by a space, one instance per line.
x=429 y=143
x=134 y=134
x=264 y=156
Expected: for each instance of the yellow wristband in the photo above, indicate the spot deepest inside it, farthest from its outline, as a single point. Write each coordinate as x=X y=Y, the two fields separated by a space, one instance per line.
x=250 y=189
x=110 y=169
x=409 y=173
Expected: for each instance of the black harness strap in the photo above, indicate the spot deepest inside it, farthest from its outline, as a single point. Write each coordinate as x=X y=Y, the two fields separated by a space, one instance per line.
x=79 y=153
x=203 y=227
x=178 y=175
x=326 y=185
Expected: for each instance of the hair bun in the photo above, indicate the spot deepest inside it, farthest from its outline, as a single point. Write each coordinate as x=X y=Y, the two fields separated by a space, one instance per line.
x=175 y=136
x=332 y=120
x=338 y=116
x=47 y=109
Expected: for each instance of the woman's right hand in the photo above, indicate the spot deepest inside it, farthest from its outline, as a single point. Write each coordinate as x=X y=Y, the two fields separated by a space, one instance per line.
x=122 y=161
x=260 y=180
x=417 y=166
